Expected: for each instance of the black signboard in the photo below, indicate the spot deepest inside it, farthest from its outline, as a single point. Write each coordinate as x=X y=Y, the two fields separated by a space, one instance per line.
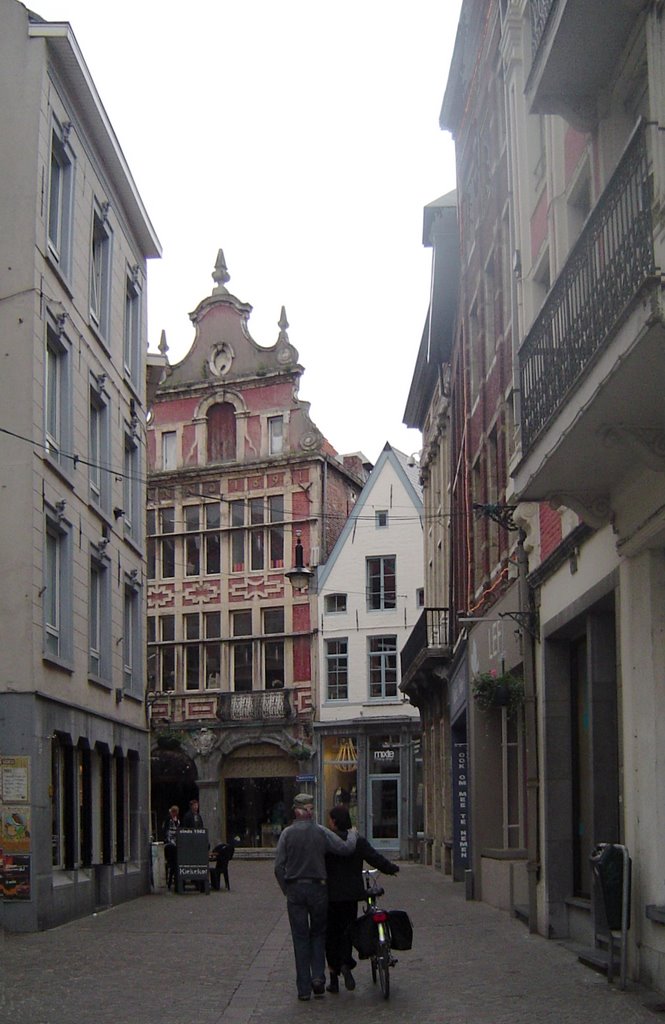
x=461 y=812
x=192 y=858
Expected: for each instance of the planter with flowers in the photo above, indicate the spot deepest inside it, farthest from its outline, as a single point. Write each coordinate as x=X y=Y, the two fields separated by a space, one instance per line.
x=498 y=690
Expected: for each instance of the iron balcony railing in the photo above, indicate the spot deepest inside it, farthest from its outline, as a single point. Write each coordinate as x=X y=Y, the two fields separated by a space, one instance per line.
x=255 y=706
x=611 y=261
x=540 y=12
x=431 y=632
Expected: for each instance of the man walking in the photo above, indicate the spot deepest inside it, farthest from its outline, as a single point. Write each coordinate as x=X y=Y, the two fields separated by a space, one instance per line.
x=300 y=869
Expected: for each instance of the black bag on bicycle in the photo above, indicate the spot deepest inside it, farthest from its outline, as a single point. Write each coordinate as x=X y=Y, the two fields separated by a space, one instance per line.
x=401 y=929
x=364 y=935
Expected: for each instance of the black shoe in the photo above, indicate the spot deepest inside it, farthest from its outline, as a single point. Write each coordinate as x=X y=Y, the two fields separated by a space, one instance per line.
x=349 y=980
x=334 y=983
x=304 y=999
x=319 y=988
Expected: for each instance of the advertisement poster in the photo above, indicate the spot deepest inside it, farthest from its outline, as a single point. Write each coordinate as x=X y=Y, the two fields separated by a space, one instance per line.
x=15 y=828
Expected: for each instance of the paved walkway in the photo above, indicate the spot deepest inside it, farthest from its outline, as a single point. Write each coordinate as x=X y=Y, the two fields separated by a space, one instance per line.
x=227 y=959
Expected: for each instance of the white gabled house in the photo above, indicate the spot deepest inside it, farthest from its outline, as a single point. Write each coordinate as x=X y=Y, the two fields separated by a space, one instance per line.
x=370 y=596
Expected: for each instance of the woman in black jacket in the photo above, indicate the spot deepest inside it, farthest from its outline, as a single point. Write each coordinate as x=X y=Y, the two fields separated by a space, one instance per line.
x=345 y=888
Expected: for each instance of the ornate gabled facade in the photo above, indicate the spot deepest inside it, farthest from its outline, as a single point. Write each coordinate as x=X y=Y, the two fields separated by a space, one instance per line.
x=239 y=475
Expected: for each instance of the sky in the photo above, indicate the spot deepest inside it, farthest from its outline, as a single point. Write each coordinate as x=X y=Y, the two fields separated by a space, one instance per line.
x=302 y=138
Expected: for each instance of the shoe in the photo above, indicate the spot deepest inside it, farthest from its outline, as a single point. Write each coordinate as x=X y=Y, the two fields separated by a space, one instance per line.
x=334 y=983
x=319 y=988
x=349 y=980
x=303 y=999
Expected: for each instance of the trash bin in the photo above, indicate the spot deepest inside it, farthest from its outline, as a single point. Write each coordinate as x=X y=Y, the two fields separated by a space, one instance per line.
x=610 y=865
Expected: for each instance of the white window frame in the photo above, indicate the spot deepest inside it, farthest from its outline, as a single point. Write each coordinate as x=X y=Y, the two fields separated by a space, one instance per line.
x=336 y=663
x=275 y=435
x=132 y=489
x=378 y=659
x=132 y=639
x=57 y=397
x=57 y=597
x=132 y=327
x=387 y=599
x=61 y=198
x=335 y=604
x=99 y=617
x=101 y=252
x=381 y=518
x=169 y=449
x=99 y=448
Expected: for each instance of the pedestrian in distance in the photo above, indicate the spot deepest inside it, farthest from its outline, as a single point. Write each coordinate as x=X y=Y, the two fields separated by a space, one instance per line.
x=300 y=869
x=192 y=818
x=169 y=834
x=345 y=889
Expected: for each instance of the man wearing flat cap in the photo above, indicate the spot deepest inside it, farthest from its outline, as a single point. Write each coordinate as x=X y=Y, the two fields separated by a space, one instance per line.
x=300 y=869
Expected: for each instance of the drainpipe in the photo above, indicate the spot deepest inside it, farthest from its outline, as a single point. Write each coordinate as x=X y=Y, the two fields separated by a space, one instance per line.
x=530 y=729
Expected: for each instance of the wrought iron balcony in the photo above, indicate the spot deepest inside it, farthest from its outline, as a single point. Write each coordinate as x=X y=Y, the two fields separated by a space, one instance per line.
x=610 y=263
x=255 y=706
x=430 y=638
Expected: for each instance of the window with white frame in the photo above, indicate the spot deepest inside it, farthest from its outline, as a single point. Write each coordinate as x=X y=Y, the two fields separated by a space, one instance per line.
x=382 y=667
x=381 y=518
x=275 y=435
x=99 y=448
x=337 y=669
x=334 y=603
x=61 y=198
x=58 y=397
x=99 y=618
x=273 y=649
x=257 y=533
x=131 y=639
x=132 y=489
x=381 y=582
x=132 y=328
x=169 y=449
x=100 y=270
x=57 y=590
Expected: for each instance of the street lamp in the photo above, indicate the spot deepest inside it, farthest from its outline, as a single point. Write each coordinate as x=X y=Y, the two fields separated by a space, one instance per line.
x=300 y=575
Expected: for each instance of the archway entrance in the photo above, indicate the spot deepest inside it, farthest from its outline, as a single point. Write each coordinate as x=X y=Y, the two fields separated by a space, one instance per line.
x=258 y=785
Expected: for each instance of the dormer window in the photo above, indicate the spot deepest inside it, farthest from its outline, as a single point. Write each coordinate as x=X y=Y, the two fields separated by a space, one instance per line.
x=276 y=435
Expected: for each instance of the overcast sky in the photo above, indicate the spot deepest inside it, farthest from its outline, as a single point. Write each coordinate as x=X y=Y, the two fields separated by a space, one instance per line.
x=302 y=138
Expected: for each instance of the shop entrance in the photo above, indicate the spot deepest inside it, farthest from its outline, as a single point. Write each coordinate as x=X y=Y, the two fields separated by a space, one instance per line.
x=384 y=804
x=258 y=809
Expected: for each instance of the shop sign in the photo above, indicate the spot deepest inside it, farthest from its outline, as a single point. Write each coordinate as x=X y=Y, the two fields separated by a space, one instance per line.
x=461 y=810
x=305 y=778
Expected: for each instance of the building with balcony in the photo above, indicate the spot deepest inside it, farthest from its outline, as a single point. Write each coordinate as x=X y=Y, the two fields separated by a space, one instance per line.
x=555 y=473
x=370 y=594
x=74 y=750
x=240 y=478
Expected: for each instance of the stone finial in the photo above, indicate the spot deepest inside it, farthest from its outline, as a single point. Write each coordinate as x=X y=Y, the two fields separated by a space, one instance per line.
x=220 y=275
x=163 y=347
x=283 y=324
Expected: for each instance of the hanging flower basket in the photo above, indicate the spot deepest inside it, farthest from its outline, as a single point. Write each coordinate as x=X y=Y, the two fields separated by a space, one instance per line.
x=498 y=690
x=301 y=752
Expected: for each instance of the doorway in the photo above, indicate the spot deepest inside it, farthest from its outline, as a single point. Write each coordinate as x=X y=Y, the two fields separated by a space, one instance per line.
x=384 y=811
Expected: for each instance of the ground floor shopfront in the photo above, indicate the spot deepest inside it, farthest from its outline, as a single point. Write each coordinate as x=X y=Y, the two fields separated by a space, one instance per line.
x=375 y=769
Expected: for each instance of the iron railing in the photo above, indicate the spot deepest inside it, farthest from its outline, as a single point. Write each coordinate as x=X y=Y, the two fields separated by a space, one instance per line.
x=255 y=706
x=612 y=259
x=431 y=631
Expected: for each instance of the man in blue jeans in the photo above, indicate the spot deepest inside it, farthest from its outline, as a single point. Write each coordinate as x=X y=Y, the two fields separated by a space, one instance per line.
x=300 y=869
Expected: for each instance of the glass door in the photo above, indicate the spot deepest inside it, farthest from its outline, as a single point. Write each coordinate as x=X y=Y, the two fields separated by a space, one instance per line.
x=384 y=811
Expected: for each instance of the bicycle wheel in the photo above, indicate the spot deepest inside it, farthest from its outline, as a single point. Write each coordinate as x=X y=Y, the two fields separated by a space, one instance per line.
x=383 y=965
x=373 y=963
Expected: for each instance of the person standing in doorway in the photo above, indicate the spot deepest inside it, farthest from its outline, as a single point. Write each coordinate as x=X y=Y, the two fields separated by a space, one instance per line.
x=169 y=833
x=300 y=869
x=192 y=818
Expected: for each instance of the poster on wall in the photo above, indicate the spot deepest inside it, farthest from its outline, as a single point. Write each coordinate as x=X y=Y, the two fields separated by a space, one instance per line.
x=15 y=828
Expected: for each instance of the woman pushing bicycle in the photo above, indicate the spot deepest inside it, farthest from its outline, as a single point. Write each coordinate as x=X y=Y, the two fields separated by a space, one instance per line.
x=345 y=889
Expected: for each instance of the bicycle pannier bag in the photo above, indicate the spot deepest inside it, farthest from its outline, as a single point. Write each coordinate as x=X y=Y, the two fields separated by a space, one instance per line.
x=401 y=929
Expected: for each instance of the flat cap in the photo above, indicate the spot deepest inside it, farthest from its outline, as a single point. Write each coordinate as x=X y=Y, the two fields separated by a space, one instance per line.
x=303 y=800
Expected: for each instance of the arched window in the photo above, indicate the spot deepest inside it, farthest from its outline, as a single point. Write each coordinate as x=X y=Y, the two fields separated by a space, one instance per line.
x=221 y=433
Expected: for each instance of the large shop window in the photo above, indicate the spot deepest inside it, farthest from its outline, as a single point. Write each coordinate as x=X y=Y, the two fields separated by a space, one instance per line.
x=340 y=773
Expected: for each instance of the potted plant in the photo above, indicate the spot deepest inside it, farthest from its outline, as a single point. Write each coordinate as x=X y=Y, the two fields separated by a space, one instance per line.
x=498 y=690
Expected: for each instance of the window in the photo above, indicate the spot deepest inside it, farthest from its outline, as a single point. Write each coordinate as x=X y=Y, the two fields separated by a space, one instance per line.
x=381 y=583
x=57 y=596
x=212 y=539
x=100 y=271
x=420 y=597
x=60 y=199
x=132 y=328
x=337 y=669
x=256 y=528
x=381 y=519
x=192 y=515
x=151 y=543
x=334 y=603
x=132 y=489
x=99 y=618
x=221 y=420
x=382 y=666
x=273 y=650
x=131 y=640
x=167 y=652
x=99 y=449
x=241 y=653
x=63 y=812
x=275 y=435
x=169 y=453
x=167 y=526
x=57 y=401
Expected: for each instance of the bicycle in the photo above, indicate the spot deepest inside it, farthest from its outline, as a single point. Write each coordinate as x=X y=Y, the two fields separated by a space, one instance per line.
x=380 y=957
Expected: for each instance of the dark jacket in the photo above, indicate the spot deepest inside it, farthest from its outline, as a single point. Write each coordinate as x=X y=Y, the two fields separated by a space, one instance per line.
x=345 y=874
